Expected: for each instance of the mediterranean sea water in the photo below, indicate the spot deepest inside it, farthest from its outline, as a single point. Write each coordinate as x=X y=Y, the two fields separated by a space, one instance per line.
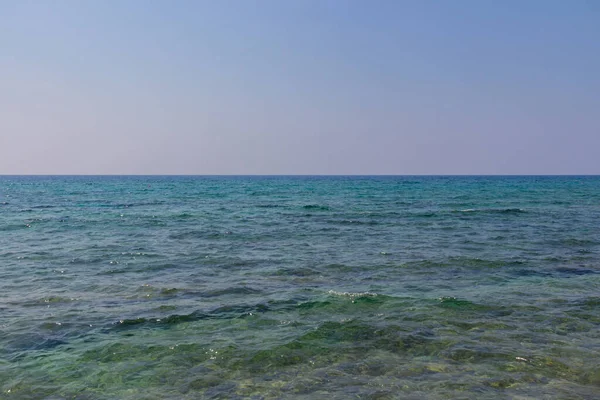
x=299 y=287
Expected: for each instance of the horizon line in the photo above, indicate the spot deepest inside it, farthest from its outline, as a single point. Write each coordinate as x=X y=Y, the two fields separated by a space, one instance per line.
x=294 y=175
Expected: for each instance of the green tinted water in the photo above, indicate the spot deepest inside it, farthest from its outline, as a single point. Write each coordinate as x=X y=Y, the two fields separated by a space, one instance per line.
x=270 y=287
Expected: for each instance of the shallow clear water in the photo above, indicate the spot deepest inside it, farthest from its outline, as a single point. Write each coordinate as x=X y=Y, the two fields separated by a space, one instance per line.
x=307 y=287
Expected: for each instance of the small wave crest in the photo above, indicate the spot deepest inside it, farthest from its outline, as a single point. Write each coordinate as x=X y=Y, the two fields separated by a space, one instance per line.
x=352 y=295
x=492 y=210
x=244 y=290
x=316 y=207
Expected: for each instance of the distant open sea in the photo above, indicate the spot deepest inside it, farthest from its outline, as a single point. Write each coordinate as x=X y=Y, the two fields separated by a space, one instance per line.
x=383 y=287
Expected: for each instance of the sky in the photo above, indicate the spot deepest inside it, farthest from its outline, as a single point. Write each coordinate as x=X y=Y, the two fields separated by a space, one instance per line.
x=299 y=87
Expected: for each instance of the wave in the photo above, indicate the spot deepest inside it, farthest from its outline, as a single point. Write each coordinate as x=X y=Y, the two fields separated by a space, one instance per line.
x=492 y=210
x=54 y=300
x=196 y=234
x=302 y=271
x=225 y=312
x=270 y=206
x=244 y=290
x=470 y=262
x=353 y=222
x=234 y=311
x=183 y=215
x=333 y=341
x=575 y=271
x=316 y=207
x=465 y=211
x=578 y=242
x=14 y=227
x=352 y=295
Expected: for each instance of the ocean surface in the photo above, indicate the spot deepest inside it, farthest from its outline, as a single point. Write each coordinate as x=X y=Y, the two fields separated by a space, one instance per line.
x=299 y=287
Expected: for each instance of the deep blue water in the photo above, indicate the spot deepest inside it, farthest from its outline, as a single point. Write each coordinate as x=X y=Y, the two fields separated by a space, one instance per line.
x=299 y=287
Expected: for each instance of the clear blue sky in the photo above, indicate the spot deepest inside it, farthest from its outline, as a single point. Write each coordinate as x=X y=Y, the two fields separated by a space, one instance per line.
x=300 y=87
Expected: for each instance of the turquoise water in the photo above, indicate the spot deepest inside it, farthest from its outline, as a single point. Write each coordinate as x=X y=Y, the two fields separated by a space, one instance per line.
x=299 y=287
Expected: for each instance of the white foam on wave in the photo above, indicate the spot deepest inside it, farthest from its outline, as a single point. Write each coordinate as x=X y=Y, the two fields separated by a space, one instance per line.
x=352 y=295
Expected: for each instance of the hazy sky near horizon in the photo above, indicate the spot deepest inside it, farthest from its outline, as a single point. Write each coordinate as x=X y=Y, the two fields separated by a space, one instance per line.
x=300 y=87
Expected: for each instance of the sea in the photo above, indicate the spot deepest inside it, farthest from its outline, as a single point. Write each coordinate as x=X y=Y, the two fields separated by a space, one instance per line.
x=301 y=287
